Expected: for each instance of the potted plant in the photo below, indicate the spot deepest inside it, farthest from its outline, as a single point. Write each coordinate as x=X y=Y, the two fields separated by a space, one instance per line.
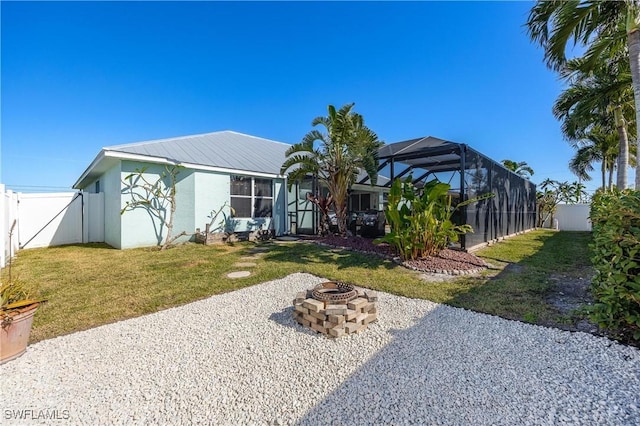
x=17 y=308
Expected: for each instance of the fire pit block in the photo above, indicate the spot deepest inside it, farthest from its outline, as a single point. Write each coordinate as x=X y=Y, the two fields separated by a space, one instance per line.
x=341 y=310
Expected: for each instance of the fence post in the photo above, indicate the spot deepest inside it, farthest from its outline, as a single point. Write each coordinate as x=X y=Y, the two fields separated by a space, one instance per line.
x=3 y=227
x=86 y=214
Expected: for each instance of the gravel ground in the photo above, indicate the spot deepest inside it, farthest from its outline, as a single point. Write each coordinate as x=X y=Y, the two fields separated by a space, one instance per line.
x=239 y=358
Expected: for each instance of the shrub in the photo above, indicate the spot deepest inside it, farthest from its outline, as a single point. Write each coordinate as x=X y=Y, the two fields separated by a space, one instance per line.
x=616 y=258
x=420 y=221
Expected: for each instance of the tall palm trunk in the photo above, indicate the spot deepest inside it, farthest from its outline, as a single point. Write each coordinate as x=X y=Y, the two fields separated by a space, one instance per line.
x=338 y=190
x=603 y=169
x=611 y=178
x=633 y=40
x=623 y=150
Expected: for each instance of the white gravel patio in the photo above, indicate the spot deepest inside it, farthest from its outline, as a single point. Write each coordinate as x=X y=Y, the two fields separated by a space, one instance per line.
x=239 y=358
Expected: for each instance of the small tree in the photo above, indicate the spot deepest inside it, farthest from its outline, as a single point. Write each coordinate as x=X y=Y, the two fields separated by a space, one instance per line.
x=154 y=197
x=555 y=192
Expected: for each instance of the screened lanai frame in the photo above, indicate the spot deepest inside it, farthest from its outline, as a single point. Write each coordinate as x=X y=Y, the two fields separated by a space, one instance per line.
x=511 y=210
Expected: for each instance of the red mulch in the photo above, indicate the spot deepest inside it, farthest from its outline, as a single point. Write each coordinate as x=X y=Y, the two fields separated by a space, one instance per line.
x=446 y=260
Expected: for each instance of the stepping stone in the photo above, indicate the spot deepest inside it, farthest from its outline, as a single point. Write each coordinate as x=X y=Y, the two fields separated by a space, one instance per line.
x=238 y=274
x=287 y=238
x=244 y=264
x=259 y=249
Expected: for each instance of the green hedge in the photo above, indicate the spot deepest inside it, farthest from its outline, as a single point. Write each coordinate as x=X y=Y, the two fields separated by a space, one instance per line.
x=616 y=258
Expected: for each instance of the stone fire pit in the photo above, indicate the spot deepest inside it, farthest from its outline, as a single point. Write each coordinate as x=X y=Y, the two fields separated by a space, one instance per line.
x=335 y=309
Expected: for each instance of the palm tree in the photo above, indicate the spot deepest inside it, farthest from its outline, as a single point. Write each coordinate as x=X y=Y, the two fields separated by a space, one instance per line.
x=335 y=157
x=601 y=98
x=604 y=27
x=598 y=145
x=520 y=168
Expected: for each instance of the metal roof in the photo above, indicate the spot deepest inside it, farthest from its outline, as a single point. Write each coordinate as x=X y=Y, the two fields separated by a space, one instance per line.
x=226 y=149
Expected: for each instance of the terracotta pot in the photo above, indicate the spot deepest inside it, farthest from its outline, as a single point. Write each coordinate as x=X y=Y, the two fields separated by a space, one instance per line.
x=14 y=336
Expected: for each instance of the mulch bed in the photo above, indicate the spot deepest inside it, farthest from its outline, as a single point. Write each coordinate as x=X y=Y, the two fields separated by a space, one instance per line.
x=453 y=262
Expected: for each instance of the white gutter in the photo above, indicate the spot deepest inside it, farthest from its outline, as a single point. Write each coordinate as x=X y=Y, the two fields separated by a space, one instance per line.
x=93 y=164
x=231 y=171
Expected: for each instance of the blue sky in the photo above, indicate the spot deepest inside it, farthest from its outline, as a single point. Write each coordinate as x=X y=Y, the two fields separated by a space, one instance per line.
x=79 y=76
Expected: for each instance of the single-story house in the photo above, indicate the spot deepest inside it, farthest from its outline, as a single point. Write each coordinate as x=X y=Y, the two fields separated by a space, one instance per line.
x=219 y=168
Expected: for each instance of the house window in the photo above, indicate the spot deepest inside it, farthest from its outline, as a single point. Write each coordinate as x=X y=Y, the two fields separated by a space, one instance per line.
x=97 y=186
x=360 y=202
x=251 y=197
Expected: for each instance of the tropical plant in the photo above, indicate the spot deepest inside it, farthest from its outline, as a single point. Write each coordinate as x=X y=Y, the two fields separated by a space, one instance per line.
x=597 y=146
x=601 y=98
x=520 y=168
x=154 y=196
x=420 y=220
x=335 y=157
x=553 y=193
x=608 y=29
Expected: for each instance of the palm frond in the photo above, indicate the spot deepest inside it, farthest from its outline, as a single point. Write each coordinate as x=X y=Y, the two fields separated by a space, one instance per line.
x=303 y=162
x=554 y=24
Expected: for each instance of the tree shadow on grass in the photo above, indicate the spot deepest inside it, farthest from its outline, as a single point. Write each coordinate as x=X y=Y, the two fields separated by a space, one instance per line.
x=309 y=253
x=525 y=287
x=103 y=246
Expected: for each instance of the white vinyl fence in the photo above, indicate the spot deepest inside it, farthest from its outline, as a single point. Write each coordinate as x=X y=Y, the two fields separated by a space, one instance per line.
x=9 y=212
x=43 y=220
x=570 y=217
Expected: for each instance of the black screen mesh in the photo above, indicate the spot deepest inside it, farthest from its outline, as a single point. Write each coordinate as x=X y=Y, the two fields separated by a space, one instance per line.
x=511 y=209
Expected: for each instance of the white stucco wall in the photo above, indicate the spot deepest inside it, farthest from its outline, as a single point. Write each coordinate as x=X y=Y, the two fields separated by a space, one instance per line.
x=111 y=184
x=197 y=193
x=211 y=192
x=139 y=228
x=185 y=199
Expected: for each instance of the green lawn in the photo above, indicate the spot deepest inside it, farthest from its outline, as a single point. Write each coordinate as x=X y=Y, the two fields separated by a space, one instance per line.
x=89 y=285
